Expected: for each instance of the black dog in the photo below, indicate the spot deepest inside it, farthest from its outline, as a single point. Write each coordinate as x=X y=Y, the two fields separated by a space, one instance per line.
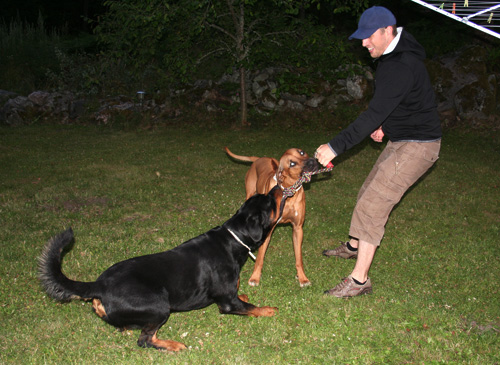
x=141 y=292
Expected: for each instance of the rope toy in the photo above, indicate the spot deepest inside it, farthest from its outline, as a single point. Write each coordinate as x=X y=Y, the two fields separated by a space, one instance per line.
x=305 y=178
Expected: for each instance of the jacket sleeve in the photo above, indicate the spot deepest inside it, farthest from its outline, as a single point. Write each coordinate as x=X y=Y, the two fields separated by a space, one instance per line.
x=393 y=83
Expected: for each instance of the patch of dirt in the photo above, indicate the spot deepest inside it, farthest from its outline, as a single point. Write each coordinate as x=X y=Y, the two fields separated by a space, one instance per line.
x=78 y=204
x=473 y=326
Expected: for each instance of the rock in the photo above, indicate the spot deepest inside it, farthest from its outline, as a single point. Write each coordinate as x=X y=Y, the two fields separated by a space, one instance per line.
x=315 y=101
x=6 y=95
x=357 y=87
x=463 y=84
x=39 y=98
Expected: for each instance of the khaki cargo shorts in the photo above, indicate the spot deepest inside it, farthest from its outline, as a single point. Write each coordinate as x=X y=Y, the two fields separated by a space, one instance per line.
x=398 y=167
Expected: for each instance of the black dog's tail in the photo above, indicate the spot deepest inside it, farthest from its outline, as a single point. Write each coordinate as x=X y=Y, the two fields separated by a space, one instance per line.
x=53 y=280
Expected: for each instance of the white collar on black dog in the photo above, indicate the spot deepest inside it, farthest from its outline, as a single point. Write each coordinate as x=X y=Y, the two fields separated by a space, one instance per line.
x=241 y=243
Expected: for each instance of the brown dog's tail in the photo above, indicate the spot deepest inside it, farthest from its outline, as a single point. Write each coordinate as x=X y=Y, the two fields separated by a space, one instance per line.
x=241 y=158
x=55 y=283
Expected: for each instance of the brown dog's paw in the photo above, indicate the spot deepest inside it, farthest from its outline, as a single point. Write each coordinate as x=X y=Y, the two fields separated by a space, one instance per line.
x=253 y=282
x=305 y=283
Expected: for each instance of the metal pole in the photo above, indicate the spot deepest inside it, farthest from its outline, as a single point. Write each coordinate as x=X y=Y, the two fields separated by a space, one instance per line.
x=482 y=12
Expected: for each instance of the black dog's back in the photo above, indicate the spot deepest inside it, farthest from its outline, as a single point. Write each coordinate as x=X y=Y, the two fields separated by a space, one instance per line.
x=143 y=291
x=173 y=272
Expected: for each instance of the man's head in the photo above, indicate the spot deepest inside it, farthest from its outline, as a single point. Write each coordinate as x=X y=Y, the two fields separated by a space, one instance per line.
x=377 y=29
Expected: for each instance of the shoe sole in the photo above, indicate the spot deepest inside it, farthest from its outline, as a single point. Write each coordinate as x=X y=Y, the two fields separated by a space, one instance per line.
x=362 y=292
x=325 y=253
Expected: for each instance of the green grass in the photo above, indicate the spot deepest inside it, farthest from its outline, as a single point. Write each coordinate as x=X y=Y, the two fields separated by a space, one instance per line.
x=436 y=276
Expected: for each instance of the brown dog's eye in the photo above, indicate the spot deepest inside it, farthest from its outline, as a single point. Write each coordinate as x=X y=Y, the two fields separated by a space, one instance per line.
x=301 y=153
x=292 y=164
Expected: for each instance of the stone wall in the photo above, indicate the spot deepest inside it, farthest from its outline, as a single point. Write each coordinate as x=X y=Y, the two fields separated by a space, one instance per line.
x=465 y=92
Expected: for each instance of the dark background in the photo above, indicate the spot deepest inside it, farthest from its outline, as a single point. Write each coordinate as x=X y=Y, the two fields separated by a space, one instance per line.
x=71 y=15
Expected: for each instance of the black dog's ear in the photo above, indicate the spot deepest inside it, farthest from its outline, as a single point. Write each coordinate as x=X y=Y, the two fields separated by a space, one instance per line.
x=258 y=223
x=255 y=227
x=272 y=191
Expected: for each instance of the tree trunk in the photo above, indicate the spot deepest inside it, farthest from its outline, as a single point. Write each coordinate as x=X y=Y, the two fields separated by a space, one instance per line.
x=243 y=97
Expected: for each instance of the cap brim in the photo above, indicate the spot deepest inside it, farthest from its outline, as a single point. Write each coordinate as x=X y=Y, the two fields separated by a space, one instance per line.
x=362 y=33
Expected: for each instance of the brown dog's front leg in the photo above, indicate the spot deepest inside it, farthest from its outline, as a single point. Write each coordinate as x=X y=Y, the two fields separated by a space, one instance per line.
x=298 y=235
x=259 y=262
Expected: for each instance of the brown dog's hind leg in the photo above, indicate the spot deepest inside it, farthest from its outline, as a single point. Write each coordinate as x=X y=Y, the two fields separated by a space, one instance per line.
x=148 y=338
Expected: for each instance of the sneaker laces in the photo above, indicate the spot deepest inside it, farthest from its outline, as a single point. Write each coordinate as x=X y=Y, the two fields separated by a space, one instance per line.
x=345 y=282
x=339 y=249
x=342 y=248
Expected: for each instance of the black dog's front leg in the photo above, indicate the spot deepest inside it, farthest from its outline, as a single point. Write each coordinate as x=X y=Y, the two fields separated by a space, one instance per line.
x=240 y=307
x=148 y=338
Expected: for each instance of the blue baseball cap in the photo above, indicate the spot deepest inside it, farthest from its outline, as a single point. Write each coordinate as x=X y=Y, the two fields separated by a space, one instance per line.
x=372 y=19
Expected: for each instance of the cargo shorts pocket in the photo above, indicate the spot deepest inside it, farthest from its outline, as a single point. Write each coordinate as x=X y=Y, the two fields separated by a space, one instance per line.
x=415 y=158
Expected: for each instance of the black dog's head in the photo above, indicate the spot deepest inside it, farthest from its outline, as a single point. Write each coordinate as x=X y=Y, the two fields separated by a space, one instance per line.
x=255 y=218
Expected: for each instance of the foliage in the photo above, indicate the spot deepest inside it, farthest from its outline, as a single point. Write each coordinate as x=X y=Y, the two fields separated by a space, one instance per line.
x=183 y=36
x=159 y=45
x=450 y=36
x=493 y=57
x=75 y=73
x=436 y=287
x=27 y=51
x=67 y=16
x=141 y=33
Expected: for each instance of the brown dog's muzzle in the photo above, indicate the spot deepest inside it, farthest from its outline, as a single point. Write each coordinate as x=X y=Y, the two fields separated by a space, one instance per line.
x=311 y=165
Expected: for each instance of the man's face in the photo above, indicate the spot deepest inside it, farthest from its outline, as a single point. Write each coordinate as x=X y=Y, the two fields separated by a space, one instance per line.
x=378 y=42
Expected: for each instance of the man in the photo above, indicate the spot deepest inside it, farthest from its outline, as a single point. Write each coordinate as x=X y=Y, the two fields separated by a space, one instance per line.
x=403 y=109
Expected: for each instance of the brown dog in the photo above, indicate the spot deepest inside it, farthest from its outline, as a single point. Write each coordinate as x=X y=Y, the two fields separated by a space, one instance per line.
x=263 y=175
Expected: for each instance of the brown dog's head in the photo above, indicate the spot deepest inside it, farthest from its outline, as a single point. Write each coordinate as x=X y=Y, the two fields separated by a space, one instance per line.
x=293 y=163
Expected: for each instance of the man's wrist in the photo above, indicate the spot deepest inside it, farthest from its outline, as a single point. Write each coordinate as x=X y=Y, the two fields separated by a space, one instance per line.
x=333 y=151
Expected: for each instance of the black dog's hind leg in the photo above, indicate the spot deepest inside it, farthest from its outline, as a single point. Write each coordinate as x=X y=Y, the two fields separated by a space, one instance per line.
x=148 y=338
x=241 y=307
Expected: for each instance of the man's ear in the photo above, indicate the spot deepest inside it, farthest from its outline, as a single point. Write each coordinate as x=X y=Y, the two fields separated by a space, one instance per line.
x=390 y=29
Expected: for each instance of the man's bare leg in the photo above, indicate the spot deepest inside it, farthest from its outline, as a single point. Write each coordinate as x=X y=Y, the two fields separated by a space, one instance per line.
x=366 y=252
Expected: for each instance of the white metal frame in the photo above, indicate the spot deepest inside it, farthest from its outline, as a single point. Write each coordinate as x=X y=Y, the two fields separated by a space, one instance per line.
x=467 y=20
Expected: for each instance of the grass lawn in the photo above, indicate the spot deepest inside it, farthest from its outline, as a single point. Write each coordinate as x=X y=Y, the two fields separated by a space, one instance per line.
x=436 y=276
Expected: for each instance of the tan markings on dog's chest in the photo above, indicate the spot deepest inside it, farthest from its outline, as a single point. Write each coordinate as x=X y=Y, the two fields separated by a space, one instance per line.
x=98 y=308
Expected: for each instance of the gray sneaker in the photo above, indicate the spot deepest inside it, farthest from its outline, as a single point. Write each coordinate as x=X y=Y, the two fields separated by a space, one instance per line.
x=348 y=288
x=341 y=251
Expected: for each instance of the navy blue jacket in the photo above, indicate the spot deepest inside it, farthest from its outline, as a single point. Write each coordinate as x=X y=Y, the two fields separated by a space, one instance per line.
x=404 y=102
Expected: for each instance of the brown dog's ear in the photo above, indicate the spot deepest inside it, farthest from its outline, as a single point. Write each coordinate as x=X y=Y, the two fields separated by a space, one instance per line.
x=279 y=176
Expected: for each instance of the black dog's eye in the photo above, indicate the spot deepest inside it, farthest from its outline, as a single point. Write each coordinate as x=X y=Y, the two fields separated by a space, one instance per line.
x=292 y=164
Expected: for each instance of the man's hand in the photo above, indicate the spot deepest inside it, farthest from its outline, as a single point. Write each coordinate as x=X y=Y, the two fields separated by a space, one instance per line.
x=324 y=154
x=378 y=135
